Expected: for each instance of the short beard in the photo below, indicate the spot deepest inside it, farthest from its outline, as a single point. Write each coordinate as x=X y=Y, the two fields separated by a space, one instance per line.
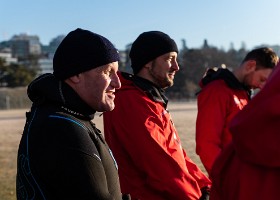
x=162 y=82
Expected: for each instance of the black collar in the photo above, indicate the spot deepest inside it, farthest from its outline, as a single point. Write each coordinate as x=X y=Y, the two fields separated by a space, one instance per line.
x=154 y=92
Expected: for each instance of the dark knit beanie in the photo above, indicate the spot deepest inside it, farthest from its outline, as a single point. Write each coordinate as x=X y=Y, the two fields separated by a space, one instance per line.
x=148 y=46
x=80 y=51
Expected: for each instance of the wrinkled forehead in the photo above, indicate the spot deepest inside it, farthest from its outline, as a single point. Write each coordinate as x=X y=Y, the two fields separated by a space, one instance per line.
x=113 y=65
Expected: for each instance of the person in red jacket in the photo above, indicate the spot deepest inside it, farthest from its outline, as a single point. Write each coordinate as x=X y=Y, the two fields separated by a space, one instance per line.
x=140 y=131
x=223 y=95
x=249 y=168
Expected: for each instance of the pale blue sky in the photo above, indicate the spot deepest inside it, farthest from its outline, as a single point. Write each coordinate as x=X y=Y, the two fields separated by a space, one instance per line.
x=221 y=22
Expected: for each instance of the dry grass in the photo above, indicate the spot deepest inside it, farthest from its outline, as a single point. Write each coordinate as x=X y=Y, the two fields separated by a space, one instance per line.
x=12 y=122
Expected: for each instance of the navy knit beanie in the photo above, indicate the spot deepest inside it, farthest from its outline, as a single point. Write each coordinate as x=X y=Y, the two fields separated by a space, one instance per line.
x=80 y=51
x=148 y=46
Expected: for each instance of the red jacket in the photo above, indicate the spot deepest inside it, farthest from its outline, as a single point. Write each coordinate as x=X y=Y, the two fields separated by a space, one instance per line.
x=217 y=104
x=147 y=148
x=249 y=169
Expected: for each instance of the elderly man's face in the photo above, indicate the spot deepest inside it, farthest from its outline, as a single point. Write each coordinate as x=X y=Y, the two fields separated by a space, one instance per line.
x=97 y=87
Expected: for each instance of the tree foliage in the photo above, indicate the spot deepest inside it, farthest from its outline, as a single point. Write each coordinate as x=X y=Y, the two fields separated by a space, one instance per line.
x=15 y=75
x=193 y=65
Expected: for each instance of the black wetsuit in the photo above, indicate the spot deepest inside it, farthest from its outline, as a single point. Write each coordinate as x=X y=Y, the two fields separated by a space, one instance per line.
x=62 y=155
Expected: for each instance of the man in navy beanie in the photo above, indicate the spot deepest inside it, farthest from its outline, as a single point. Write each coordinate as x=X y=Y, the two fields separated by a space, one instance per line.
x=140 y=132
x=62 y=155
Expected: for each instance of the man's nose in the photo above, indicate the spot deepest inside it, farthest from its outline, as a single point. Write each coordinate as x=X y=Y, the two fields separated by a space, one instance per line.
x=116 y=83
x=175 y=66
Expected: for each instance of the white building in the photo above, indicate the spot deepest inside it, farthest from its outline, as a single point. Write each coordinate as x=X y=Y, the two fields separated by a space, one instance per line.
x=45 y=65
x=6 y=54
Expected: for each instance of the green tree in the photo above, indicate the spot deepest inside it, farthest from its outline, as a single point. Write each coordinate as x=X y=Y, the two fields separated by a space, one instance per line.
x=193 y=65
x=3 y=72
x=15 y=75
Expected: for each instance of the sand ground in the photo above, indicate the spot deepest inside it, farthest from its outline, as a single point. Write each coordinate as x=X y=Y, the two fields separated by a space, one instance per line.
x=12 y=122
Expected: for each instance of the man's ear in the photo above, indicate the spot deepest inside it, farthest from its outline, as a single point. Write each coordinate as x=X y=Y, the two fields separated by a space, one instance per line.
x=251 y=65
x=75 y=79
x=148 y=65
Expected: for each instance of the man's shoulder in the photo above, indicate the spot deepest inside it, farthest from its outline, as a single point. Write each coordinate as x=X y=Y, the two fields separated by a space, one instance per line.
x=128 y=88
x=216 y=85
x=65 y=120
x=217 y=90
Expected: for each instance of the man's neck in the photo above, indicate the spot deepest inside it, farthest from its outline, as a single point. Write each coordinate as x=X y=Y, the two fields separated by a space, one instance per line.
x=239 y=74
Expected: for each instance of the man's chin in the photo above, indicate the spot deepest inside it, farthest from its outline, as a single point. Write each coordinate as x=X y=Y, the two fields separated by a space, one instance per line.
x=169 y=83
x=106 y=107
x=110 y=107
